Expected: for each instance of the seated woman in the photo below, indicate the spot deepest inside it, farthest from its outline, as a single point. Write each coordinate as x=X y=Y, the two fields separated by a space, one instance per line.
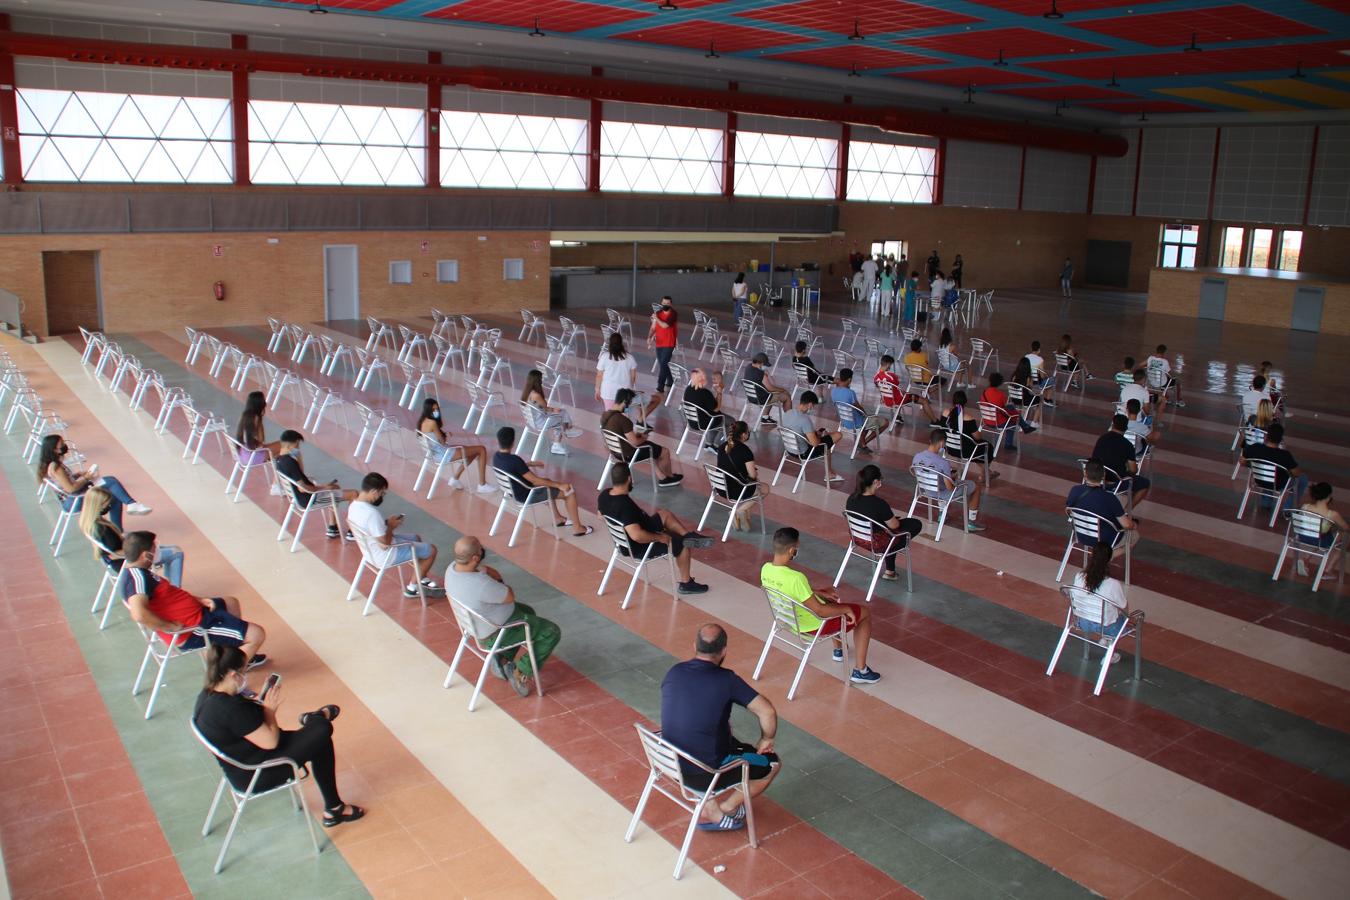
x=866 y=501
x=251 y=433
x=1096 y=578
x=737 y=459
x=549 y=417
x=96 y=525
x=246 y=730
x=429 y=422
x=1265 y=415
x=1319 y=501
x=949 y=360
x=75 y=484
x=1031 y=396
x=962 y=418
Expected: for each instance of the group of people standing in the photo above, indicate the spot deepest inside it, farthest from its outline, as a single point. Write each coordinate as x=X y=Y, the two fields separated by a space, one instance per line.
x=897 y=291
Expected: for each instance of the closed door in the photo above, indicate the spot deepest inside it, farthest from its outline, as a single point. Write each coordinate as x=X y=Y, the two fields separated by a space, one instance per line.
x=342 y=294
x=1213 y=298
x=70 y=278
x=1307 y=309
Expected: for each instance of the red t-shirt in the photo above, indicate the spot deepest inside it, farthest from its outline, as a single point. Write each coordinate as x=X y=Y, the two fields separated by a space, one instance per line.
x=892 y=399
x=172 y=604
x=1000 y=400
x=666 y=337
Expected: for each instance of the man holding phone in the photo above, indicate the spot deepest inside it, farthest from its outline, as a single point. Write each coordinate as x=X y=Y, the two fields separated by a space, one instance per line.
x=386 y=545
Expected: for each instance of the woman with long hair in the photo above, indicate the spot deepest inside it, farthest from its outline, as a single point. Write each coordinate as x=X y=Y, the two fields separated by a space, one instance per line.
x=886 y=524
x=74 y=484
x=547 y=417
x=1265 y=415
x=737 y=459
x=965 y=419
x=246 y=729
x=429 y=423
x=740 y=293
x=1023 y=375
x=1104 y=614
x=106 y=538
x=615 y=369
x=251 y=432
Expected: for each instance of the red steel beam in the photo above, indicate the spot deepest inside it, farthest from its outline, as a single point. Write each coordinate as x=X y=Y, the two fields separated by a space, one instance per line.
x=239 y=94
x=432 y=127
x=1307 y=196
x=1138 y=164
x=1092 y=184
x=593 y=140
x=9 y=116
x=1214 y=173
x=940 y=176
x=1022 y=178
x=887 y=118
x=729 y=149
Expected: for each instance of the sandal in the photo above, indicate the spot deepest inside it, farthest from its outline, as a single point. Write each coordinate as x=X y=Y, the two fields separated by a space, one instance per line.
x=727 y=823
x=336 y=816
x=589 y=530
x=330 y=712
x=563 y=524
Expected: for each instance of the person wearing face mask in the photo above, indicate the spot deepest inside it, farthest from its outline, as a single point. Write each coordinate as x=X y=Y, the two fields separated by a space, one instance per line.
x=107 y=538
x=665 y=334
x=429 y=423
x=179 y=616
x=247 y=730
x=289 y=465
x=617 y=421
x=821 y=603
x=387 y=546
x=51 y=465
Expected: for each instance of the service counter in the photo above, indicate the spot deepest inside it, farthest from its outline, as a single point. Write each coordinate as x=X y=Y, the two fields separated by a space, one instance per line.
x=577 y=289
x=1299 y=300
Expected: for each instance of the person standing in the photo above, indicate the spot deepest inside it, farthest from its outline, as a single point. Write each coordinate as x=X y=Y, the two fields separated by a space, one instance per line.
x=934 y=263
x=665 y=335
x=1066 y=279
x=740 y=292
x=956 y=271
x=887 y=290
x=869 y=274
x=911 y=296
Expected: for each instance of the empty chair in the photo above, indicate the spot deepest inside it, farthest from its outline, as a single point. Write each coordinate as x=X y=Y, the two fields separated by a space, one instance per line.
x=334 y=352
x=982 y=353
x=416 y=382
x=93 y=341
x=447 y=355
x=321 y=399
x=371 y=364
x=379 y=333
x=281 y=333
x=145 y=379
x=202 y=424
x=530 y=325
x=1091 y=619
x=470 y=624
x=305 y=341
x=481 y=401
x=491 y=368
x=414 y=345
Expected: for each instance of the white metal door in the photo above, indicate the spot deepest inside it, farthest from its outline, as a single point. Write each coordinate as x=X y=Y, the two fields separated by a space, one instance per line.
x=342 y=294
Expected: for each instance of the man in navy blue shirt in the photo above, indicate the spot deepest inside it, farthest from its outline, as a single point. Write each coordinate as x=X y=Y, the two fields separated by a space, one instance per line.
x=1116 y=452
x=1093 y=497
x=696 y=700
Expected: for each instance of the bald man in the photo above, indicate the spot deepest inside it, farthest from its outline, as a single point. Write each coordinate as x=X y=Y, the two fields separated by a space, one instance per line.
x=696 y=700
x=481 y=588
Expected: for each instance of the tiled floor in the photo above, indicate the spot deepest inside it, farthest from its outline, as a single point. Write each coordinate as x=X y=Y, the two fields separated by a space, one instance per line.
x=965 y=773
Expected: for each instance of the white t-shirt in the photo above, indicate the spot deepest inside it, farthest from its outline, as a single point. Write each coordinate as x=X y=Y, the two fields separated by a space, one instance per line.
x=484 y=595
x=1085 y=605
x=869 y=269
x=939 y=287
x=739 y=290
x=368 y=519
x=1037 y=363
x=1134 y=392
x=614 y=374
x=1252 y=399
x=1159 y=362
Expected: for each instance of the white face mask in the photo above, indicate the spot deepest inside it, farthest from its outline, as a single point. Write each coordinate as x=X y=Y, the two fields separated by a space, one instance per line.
x=436 y=415
x=242 y=681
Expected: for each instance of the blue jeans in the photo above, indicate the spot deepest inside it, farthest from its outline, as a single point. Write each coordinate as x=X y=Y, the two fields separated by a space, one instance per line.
x=1092 y=627
x=120 y=499
x=1297 y=486
x=663 y=377
x=412 y=547
x=171 y=558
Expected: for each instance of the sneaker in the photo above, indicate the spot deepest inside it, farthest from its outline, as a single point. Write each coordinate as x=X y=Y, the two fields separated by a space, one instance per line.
x=864 y=451
x=487 y=488
x=503 y=668
x=275 y=489
x=137 y=509
x=259 y=659
x=456 y=484
x=1115 y=658
x=837 y=655
x=1028 y=428
x=332 y=532
x=692 y=587
x=973 y=527
x=348 y=536
x=557 y=449
x=834 y=479
x=1180 y=403
x=696 y=541
x=521 y=682
x=572 y=433
x=889 y=576
x=864 y=676
x=671 y=481
x=1301 y=567
x=768 y=422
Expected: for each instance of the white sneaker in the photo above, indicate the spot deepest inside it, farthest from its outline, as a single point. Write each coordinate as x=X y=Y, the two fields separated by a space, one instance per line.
x=557 y=449
x=456 y=484
x=275 y=489
x=1115 y=658
x=834 y=478
x=1301 y=567
x=137 y=509
x=487 y=489
x=573 y=433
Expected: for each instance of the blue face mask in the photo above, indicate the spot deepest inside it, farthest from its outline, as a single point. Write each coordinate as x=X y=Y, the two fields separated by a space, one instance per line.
x=436 y=414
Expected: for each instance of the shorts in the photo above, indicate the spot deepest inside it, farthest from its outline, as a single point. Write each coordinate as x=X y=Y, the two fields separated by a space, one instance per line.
x=220 y=628
x=412 y=547
x=1137 y=483
x=833 y=626
x=819 y=450
x=653 y=451
x=1325 y=541
x=700 y=780
x=1092 y=627
x=252 y=457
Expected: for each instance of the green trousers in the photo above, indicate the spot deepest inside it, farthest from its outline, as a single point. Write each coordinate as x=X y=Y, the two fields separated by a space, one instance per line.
x=543 y=634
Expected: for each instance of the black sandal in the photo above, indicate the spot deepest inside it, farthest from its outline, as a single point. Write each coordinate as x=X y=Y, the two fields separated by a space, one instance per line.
x=330 y=712
x=336 y=816
x=589 y=530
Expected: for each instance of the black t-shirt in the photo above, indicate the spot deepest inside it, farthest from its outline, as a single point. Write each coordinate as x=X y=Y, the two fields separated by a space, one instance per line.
x=512 y=464
x=754 y=375
x=1114 y=450
x=696 y=701
x=224 y=720
x=623 y=509
x=1278 y=455
x=874 y=507
x=289 y=466
x=734 y=462
x=811 y=369
x=705 y=400
x=109 y=537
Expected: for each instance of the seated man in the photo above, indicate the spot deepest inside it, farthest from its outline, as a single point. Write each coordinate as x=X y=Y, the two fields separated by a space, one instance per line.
x=851 y=416
x=696 y=700
x=708 y=399
x=890 y=398
x=800 y=358
x=481 y=588
x=387 y=546
x=764 y=390
x=1116 y=452
x=506 y=460
x=821 y=603
x=1252 y=397
x=1137 y=389
x=1125 y=376
x=1161 y=363
x=1136 y=425
x=1094 y=497
x=643 y=529
x=820 y=439
x=289 y=465
x=916 y=356
x=616 y=420
x=932 y=458
x=1004 y=411
x=155 y=603
x=1271 y=451
x=1037 y=361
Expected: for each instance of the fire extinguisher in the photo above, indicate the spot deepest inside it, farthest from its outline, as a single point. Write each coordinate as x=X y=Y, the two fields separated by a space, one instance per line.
x=219 y=289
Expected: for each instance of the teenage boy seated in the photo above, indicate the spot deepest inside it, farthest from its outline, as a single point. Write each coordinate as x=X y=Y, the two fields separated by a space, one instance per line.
x=506 y=460
x=616 y=420
x=764 y=390
x=289 y=464
x=800 y=358
x=851 y=416
x=1116 y=452
x=644 y=529
x=389 y=547
x=819 y=439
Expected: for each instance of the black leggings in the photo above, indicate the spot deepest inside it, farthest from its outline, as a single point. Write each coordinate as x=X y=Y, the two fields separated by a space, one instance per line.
x=312 y=744
x=911 y=527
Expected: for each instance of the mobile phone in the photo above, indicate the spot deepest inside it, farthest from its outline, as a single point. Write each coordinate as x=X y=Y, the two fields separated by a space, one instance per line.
x=272 y=681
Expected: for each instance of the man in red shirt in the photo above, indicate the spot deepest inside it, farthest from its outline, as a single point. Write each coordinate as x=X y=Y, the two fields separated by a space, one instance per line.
x=169 y=610
x=1003 y=411
x=665 y=334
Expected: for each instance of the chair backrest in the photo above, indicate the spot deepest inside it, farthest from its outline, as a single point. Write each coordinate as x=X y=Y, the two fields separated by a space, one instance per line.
x=787 y=612
x=980 y=347
x=363 y=543
x=431 y=446
x=693 y=414
x=533 y=415
x=1087 y=604
x=804 y=377
x=989 y=415
x=794 y=442
x=1015 y=391
x=861 y=527
x=919 y=375
x=512 y=486
x=618 y=447
x=1308 y=526
x=754 y=391
x=1087 y=524
x=1265 y=472
x=1253 y=435
x=662 y=756
x=928 y=479
x=470 y=622
x=723 y=482
x=618 y=535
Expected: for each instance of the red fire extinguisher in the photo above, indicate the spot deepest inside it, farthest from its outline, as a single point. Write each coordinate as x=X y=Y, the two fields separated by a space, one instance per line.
x=219 y=289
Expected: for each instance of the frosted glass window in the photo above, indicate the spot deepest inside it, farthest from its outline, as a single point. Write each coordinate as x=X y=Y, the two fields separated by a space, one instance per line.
x=447 y=271
x=330 y=143
x=1232 y=247
x=95 y=136
x=400 y=271
x=1178 y=246
x=660 y=159
x=1291 y=245
x=786 y=165
x=890 y=173
x=1262 y=238
x=513 y=270
x=496 y=150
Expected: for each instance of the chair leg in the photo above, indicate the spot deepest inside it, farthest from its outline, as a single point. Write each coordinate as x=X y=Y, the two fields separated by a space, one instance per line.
x=520 y=518
x=454 y=663
x=478 y=685
x=159 y=683
x=706 y=509
x=641 y=805
x=229 y=835
x=211 y=813
x=689 y=836
x=1059 y=648
x=374 y=589
x=501 y=508
x=604 y=580
x=848 y=552
x=801 y=669
x=764 y=654
x=1063 y=563
x=632 y=583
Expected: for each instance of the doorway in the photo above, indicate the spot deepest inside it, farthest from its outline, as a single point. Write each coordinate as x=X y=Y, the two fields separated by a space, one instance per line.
x=71 y=282
x=341 y=288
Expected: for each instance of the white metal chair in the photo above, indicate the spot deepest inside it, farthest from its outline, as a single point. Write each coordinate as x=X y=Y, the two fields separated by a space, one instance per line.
x=624 y=557
x=321 y=399
x=620 y=451
x=931 y=491
x=44 y=422
x=371 y=364
x=241 y=798
x=145 y=379
x=861 y=531
x=69 y=506
x=365 y=543
x=989 y=416
x=693 y=416
x=984 y=353
x=530 y=323
x=160 y=652
x=304 y=342
x=730 y=493
x=334 y=352
x=1072 y=373
x=481 y=401
x=201 y=424
x=470 y=623
x=554 y=382
x=93 y=340
x=414 y=343
x=281 y=333
x=111 y=580
x=535 y=497
x=1263 y=480
x=379 y=333
x=374 y=423
x=416 y=381
x=245 y=461
x=857 y=422
x=798 y=451
x=1246 y=434
x=667 y=778
x=965 y=449
x=447 y=354
x=1085 y=532
x=1304 y=536
x=491 y=367
x=786 y=631
x=1028 y=400
x=1089 y=605
x=318 y=500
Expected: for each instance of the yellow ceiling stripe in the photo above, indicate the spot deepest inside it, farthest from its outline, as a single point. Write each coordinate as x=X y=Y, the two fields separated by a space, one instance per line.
x=1301 y=90
x=1227 y=98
